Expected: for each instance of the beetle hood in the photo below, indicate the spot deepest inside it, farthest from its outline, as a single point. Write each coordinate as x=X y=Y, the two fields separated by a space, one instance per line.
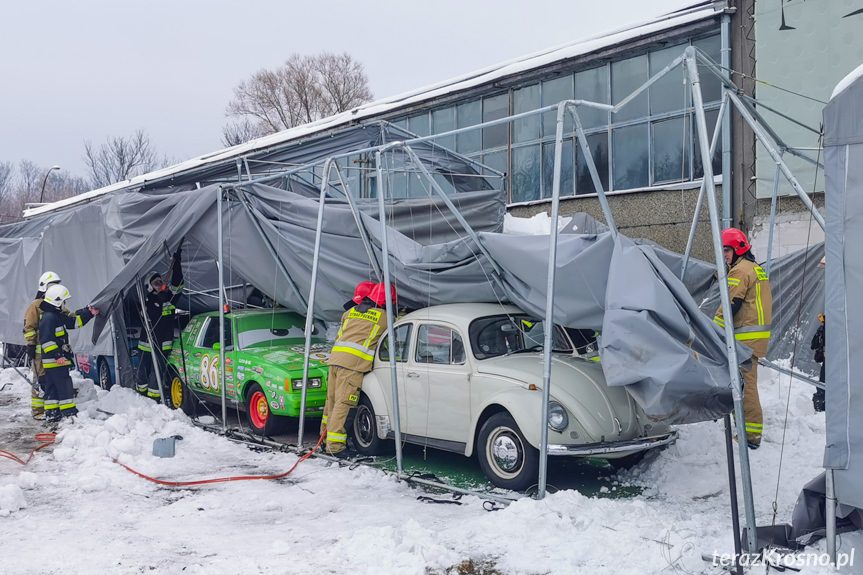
x=579 y=385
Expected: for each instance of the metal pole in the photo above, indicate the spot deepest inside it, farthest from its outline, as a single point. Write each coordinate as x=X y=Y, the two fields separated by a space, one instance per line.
x=548 y=342
x=732 y=492
x=765 y=141
x=772 y=220
x=435 y=186
x=594 y=175
x=830 y=514
x=730 y=342
x=691 y=241
x=310 y=308
x=390 y=320
x=221 y=314
x=271 y=249
x=364 y=233
x=725 y=118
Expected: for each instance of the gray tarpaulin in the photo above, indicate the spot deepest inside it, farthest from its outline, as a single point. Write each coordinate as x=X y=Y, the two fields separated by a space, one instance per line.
x=654 y=339
x=843 y=173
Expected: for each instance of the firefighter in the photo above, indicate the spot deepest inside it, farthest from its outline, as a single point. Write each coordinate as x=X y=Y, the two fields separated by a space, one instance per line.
x=752 y=312
x=160 y=307
x=31 y=334
x=351 y=357
x=57 y=357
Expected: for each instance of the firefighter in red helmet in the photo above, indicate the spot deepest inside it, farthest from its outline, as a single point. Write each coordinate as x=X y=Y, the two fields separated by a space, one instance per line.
x=362 y=326
x=752 y=312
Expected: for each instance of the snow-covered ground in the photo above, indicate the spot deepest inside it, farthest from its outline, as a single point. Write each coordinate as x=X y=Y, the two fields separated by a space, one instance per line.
x=73 y=510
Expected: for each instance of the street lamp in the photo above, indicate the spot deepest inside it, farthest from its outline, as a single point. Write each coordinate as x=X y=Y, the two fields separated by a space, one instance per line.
x=45 y=181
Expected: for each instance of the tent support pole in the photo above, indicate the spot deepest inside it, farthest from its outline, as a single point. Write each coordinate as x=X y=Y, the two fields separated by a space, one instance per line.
x=698 y=204
x=385 y=257
x=270 y=248
x=436 y=187
x=548 y=343
x=219 y=205
x=364 y=233
x=773 y=200
x=830 y=514
x=732 y=492
x=725 y=118
x=771 y=149
x=311 y=299
x=594 y=175
x=730 y=341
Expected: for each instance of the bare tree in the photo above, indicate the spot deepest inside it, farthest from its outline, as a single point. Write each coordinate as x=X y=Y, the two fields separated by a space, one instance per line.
x=22 y=185
x=236 y=133
x=120 y=158
x=302 y=90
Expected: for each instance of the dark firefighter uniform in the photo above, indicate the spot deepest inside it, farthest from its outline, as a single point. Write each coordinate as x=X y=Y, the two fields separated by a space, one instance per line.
x=57 y=358
x=752 y=302
x=31 y=333
x=351 y=357
x=160 y=306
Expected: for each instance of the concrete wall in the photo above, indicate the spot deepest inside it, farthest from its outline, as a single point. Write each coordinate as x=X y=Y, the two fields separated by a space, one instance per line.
x=664 y=216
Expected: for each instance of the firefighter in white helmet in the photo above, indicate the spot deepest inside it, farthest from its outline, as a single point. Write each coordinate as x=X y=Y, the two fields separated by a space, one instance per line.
x=31 y=334
x=57 y=356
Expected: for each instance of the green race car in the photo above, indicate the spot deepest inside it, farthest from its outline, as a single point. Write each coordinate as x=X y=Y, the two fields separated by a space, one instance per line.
x=263 y=366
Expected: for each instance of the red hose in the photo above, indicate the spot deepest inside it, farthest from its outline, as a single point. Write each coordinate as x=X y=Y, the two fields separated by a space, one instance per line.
x=222 y=479
x=46 y=439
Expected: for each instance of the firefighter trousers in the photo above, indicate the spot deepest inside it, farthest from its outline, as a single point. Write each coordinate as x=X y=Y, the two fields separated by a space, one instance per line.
x=59 y=393
x=145 y=376
x=343 y=393
x=752 y=404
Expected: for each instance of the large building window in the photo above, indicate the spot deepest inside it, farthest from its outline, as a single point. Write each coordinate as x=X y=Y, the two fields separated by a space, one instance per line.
x=649 y=142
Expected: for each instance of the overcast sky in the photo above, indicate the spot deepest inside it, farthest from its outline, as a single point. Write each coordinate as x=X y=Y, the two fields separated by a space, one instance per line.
x=86 y=69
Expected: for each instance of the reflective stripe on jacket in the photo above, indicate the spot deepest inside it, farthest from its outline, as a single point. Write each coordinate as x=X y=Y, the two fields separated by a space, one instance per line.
x=748 y=281
x=358 y=338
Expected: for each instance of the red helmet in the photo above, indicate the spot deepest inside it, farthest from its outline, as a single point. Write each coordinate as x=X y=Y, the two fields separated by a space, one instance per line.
x=734 y=238
x=363 y=289
x=378 y=294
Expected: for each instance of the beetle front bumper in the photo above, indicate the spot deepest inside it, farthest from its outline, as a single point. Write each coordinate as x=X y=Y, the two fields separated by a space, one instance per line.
x=631 y=446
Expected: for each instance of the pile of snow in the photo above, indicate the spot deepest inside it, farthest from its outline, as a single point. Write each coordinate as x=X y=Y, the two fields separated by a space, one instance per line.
x=74 y=510
x=539 y=224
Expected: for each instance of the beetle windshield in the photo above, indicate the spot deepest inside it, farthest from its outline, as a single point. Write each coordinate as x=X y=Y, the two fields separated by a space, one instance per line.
x=278 y=328
x=507 y=334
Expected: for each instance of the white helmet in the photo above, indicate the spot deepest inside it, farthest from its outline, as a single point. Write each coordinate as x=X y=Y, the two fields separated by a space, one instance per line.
x=56 y=295
x=47 y=279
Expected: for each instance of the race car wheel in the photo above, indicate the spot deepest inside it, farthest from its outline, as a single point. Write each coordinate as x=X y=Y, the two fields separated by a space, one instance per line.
x=260 y=418
x=363 y=429
x=181 y=396
x=104 y=372
x=505 y=457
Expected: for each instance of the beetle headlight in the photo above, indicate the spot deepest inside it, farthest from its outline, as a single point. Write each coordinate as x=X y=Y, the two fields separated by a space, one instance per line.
x=558 y=420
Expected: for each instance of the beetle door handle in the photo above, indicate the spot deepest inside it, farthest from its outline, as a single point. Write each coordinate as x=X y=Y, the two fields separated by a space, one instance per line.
x=413 y=374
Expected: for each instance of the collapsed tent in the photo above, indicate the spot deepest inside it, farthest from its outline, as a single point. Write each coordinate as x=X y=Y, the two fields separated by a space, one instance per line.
x=654 y=339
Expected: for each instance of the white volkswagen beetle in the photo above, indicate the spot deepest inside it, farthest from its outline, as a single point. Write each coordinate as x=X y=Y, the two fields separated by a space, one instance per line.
x=470 y=380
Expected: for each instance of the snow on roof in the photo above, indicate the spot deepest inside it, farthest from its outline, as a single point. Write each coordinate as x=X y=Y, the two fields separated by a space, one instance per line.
x=697 y=12
x=847 y=81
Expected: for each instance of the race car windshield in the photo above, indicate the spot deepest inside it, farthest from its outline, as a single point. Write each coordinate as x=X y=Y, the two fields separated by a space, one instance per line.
x=267 y=330
x=507 y=334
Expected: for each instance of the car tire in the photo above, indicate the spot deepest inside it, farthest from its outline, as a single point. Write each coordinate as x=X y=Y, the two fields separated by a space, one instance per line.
x=258 y=414
x=180 y=396
x=103 y=372
x=363 y=429
x=505 y=457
